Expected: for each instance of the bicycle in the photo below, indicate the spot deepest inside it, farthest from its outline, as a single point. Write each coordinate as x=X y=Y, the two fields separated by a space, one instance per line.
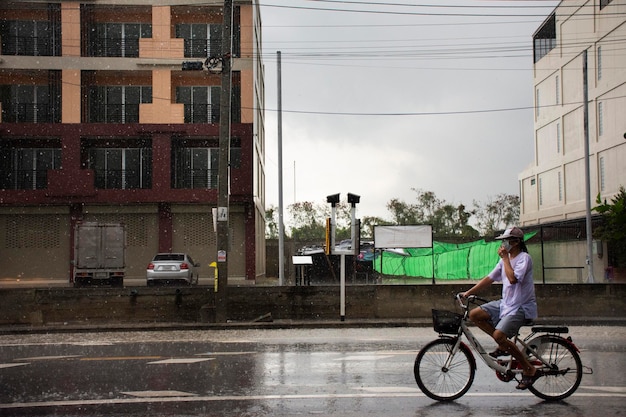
x=445 y=368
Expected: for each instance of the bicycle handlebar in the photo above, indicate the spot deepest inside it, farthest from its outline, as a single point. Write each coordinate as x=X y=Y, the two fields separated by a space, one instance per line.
x=471 y=299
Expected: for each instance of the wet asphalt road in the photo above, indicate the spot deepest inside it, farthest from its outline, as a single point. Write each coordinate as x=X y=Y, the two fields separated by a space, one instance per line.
x=296 y=372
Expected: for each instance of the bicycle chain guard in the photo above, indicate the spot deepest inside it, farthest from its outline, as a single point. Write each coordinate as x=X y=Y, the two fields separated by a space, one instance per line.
x=508 y=376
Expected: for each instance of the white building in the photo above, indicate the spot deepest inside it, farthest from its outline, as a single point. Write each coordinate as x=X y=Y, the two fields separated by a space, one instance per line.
x=553 y=187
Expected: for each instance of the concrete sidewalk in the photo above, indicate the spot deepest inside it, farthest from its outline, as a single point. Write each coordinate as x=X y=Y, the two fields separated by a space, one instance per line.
x=281 y=324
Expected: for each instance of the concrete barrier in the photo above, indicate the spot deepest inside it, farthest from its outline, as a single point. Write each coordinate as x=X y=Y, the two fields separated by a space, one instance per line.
x=196 y=304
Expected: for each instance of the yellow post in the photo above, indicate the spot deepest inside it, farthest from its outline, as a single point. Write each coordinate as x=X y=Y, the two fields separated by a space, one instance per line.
x=214 y=266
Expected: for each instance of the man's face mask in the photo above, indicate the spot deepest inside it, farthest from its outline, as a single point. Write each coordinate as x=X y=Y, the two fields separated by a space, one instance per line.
x=506 y=245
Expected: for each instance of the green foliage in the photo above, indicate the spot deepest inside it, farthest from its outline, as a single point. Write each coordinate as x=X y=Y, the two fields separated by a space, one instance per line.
x=271 y=222
x=368 y=223
x=307 y=220
x=446 y=219
x=497 y=213
x=613 y=231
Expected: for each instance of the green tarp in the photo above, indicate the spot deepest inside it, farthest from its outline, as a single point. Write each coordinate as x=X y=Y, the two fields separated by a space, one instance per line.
x=472 y=260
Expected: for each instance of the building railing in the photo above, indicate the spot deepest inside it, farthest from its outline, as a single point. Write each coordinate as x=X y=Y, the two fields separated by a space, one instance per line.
x=25 y=179
x=197 y=178
x=121 y=179
x=30 y=46
x=30 y=113
x=202 y=113
x=114 y=47
x=114 y=113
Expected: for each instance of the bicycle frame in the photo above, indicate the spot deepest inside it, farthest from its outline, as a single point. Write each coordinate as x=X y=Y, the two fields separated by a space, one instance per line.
x=475 y=345
x=502 y=366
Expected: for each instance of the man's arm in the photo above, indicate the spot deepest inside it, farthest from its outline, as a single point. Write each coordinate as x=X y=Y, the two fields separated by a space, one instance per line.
x=480 y=285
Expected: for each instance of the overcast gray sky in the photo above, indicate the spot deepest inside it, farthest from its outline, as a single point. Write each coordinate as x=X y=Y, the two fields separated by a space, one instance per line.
x=380 y=97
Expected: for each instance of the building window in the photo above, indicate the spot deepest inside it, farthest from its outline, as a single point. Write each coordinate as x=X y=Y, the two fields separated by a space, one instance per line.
x=601 y=118
x=558 y=90
x=116 y=39
x=196 y=168
x=540 y=192
x=201 y=40
x=604 y=3
x=544 y=39
x=599 y=63
x=202 y=103
x=558 y=138
x=121 y=168
x=602 y=174
x=27 y=168
x=117 y=104
x=560 y=180
x=33 y=37
x=31 y=103
x=196 y=162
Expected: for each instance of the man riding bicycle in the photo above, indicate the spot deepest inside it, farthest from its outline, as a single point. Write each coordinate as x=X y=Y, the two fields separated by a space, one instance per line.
x=503 y=318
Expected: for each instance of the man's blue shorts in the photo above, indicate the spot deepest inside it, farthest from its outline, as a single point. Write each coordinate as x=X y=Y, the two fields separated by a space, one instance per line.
x=508 y=325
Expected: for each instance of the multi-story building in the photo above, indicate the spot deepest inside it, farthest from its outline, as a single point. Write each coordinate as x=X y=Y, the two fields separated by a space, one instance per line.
x=553 y=188
x=100 y=123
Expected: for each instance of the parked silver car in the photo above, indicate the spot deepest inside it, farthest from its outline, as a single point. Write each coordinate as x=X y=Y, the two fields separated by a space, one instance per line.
x=166 y=268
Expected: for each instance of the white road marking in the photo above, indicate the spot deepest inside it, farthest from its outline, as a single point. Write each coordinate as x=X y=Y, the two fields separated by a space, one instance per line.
x=387 y=389
x=180 y=360
x=362 y=358
x=226 y=353
x=608 y=389
x=158 y=394
x=11 y=365
x=48 y=358
x=270 y=397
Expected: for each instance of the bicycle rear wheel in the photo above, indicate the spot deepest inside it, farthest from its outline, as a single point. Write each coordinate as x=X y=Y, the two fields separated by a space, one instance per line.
x=565 y=370
x=439 y=382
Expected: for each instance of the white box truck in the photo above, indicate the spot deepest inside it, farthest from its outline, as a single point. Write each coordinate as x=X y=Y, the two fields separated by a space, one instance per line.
x=99 y=254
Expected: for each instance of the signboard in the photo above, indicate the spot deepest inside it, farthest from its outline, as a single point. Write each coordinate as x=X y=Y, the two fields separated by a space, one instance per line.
x=302 y=260
x=403 y=236
x=222 y=214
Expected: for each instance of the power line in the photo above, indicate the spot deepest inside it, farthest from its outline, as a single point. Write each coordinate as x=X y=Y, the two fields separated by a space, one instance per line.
x=431 y=14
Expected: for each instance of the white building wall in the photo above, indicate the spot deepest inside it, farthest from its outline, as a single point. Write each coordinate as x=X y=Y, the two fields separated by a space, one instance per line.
x=553 y=187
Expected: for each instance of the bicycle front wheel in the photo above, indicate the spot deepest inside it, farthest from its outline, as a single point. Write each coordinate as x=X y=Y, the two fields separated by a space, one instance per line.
x=564 y=372
x=441 y=382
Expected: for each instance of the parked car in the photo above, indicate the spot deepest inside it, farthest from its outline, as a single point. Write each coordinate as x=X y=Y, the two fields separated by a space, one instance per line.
x=166 y=268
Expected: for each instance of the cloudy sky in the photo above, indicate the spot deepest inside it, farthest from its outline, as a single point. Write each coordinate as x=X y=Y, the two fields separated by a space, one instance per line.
x=380 y=97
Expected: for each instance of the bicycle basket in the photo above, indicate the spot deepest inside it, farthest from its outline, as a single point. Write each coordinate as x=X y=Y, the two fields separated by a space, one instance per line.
x=446 y=321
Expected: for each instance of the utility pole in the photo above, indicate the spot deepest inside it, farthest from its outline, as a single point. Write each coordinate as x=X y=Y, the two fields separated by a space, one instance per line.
x=223 y=178
x=281 y=219
x=589 y=231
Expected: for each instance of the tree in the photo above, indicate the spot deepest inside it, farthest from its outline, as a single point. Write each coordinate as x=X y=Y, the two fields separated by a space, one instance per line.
x=497 y=213
x=446 y=219
x=613 y=231
x=271 y=222
x=402 y=213
x=307 y=221
x=368 y=223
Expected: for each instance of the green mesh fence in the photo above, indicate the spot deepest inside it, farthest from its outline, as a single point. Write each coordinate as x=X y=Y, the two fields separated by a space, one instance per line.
x=473 y=260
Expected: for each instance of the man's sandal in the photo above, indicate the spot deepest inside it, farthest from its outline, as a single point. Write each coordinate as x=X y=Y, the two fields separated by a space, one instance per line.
x=529 y=380
x=497 y=353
